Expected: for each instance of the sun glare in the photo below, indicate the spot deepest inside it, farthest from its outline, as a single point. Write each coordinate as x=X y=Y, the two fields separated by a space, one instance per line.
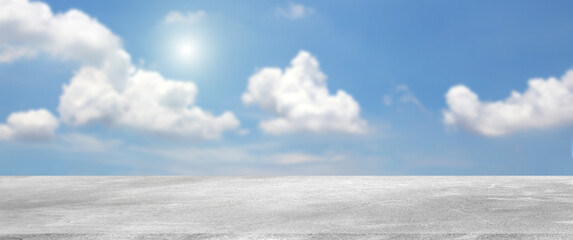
x=187 y=50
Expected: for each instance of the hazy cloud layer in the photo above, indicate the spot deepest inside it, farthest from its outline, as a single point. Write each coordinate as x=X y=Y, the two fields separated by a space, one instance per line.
x=294 y=11
x=545 y=103
x=299 y=98
x=107 y=88
x=254 y=153
x=32 y=125
x=179 y=17
x=86 y=143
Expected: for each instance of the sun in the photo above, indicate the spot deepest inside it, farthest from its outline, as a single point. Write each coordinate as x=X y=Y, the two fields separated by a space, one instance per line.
x=188 y=50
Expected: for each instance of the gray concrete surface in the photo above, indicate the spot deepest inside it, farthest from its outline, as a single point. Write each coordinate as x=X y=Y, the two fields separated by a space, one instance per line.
x=286 y=208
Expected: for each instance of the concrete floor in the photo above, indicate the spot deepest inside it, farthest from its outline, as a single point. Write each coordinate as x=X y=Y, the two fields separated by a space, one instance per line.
x=286 y=208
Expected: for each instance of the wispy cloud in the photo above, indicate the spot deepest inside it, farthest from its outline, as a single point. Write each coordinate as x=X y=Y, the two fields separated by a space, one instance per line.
x=294 y=11
x=179 y=17
x=86 y=143
x=250 y=159
x=253 y=153
x=445 y=160
x=10 y=53
x=299 y=158
x=402 y=94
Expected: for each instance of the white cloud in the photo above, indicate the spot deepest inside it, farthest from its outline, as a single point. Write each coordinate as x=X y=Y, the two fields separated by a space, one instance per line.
x=189 y=17
x=33 y=125
x=30 y=27
x=295 y=11
x=299 y=97
x=107 y=88
x=546 y=103
x=148 y=102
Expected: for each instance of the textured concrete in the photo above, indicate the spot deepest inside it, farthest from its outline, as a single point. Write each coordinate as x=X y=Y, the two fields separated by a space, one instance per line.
x=286 y=208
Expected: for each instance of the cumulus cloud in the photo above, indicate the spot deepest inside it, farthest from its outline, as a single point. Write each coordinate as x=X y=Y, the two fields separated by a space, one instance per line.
x=299 y=98
x=294 y=11
x=27 y=28
x=32 y=125
x=148 y=102
x=545 y=103
x=107 y=88
x=189 y=17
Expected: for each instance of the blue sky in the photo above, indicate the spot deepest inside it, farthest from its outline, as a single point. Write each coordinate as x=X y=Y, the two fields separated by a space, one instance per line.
x=286 y=87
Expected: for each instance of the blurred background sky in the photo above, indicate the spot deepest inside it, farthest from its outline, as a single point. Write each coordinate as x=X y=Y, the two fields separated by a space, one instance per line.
x=286 y=87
